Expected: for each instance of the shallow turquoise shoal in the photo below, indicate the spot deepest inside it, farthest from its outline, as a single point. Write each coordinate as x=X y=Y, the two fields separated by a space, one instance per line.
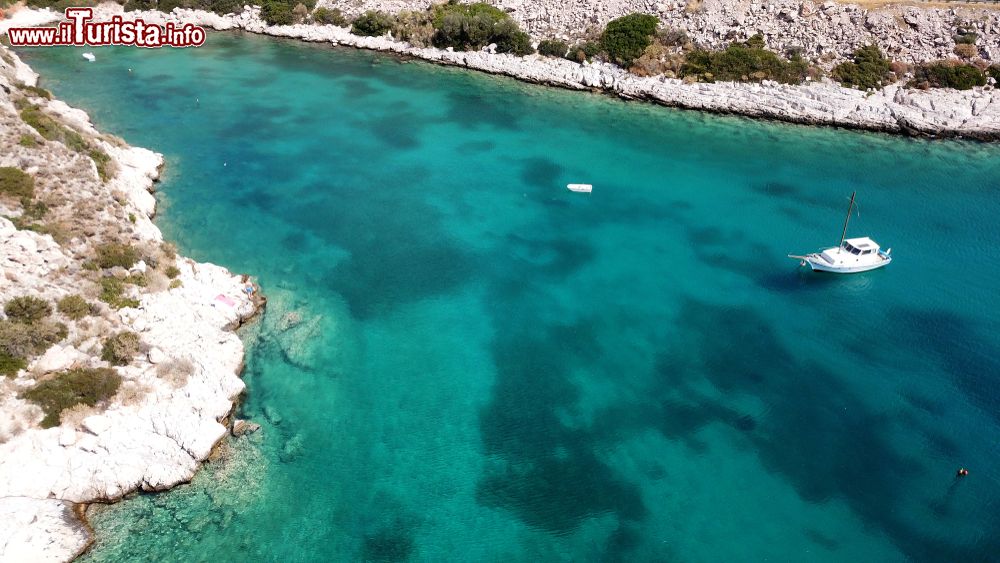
x=463 y=361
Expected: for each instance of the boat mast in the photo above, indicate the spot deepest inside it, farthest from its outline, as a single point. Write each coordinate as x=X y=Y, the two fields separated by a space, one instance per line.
x=848 y=219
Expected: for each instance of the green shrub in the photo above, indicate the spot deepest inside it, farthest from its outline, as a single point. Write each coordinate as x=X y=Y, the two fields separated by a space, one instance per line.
x=994 y=73
x=330 y=16
x=16 y=183
x=103 y=163
x=74 y=307
x=625 y=38
x=584 y=51
x=84 y=386
x=27 y=309
x=50 y=129
x=113 y=293
x=372 y=23
x=223 y=7
x=23 y=340
x=744 y=62
x=140 y=5
x=27 y=140
x=35 y=91
x=968 y=38
x=948 y=74
x=136 y=278
x=9 y=365
x=176 y=283
x=473 y=26
x=868 y=69
x=173 y=271
x=276 y=12
x=168 y=6
x=553 y=48
x=120 y=348
x=111 y=254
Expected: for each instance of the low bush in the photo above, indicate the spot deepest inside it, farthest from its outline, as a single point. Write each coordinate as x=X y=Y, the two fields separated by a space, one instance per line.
x=105 y=167
x=966 y=51
x=414 y=27
x=994 y=73
x=473 y=26
x=276 y=12
x=172 y=272
x=120 y=348
x=584 y=51
x=74 y=307
x=626 y=38
x=948 y=74
x=111 y=254
x=50 y=129
x=35 y=91
x=867 y=69
x=744 y=62
x=24 y=340
x=113 y=293
x=86 y=386
x=965 y=38
x=28 y=141
x=553 y=48
x=15 y=182
x=332 y=16
x=372 y=23
x=27 y=309
x=223 y=7
x=10 y=365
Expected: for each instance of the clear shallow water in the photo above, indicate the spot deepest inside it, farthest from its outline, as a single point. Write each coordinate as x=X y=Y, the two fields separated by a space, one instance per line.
x=489 y=367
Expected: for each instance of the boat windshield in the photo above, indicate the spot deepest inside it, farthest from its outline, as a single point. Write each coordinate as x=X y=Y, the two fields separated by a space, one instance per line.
x=851 y=249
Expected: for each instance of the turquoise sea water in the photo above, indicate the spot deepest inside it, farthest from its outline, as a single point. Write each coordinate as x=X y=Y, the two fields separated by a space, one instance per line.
x=463 y=361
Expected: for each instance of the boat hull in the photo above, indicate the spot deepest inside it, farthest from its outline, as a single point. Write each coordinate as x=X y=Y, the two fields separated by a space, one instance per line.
x=819 y=266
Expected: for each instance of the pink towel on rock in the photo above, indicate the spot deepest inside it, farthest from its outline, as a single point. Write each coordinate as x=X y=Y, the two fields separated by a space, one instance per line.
x=226 y=300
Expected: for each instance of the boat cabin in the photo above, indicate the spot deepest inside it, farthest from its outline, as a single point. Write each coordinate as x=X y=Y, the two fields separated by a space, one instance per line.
x=860 y=246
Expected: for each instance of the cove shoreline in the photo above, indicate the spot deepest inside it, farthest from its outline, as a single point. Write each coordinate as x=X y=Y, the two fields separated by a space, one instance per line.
x=895 y=109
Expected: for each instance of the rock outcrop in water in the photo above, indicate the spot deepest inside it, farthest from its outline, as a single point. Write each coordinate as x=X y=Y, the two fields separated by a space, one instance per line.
x=895 y=109
x=181 y=383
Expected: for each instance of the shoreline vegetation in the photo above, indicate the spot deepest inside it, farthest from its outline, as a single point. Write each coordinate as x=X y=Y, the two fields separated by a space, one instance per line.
x=635 y=56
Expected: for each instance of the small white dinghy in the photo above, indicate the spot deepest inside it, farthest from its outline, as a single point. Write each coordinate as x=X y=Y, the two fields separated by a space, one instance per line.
x=852 y=256
x=580 y=188
x=90 y=57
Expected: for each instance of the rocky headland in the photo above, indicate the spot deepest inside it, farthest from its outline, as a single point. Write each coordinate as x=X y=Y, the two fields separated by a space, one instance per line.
x=99 y=296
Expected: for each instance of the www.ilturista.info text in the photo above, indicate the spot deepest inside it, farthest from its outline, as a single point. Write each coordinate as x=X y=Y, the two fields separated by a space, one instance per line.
x=78 y=30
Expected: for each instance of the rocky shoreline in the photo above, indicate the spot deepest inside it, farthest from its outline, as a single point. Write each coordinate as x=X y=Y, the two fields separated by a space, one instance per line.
x=178 y=389
x=939 y=113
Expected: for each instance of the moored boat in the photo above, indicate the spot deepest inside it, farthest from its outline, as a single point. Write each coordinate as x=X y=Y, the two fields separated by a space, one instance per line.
x=850 y=256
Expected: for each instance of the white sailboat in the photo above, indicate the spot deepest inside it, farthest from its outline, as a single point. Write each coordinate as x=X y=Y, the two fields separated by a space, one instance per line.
x=851 y=256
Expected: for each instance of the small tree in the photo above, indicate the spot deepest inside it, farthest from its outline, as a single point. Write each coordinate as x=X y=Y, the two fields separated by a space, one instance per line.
x=627 y=37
